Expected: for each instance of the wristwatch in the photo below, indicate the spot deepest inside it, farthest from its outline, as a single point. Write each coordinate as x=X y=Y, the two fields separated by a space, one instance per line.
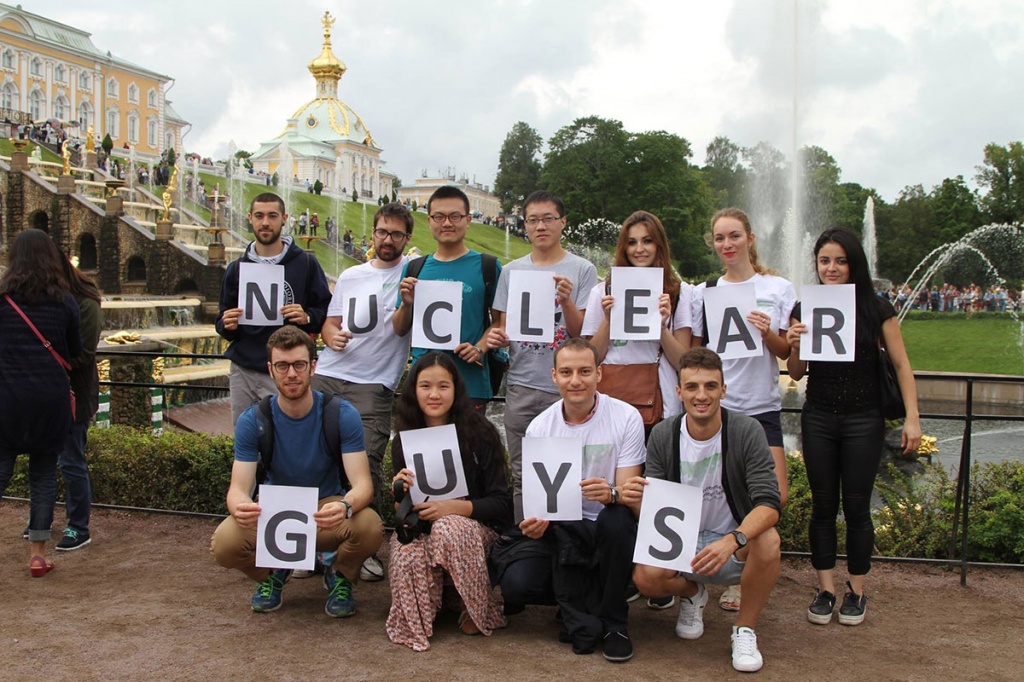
x=741 y=538
x=348 y=509
x=615 y=495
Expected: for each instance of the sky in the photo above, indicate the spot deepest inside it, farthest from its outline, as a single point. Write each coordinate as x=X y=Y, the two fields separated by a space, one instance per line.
x=899 y=92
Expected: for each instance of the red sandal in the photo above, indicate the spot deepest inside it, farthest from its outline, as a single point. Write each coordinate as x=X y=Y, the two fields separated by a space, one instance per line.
x=39 y=566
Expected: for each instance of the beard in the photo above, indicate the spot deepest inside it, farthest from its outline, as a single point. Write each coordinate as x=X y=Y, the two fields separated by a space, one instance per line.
x=388 y=253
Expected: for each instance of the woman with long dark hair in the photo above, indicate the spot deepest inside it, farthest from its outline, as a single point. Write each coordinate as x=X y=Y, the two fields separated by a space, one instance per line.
x=643 y=242
x=843 y=430
x=454 y=552
x=34 y=386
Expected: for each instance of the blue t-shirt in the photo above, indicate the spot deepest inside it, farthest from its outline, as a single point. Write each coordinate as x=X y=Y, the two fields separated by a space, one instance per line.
x=476 y=305
x=300 y=453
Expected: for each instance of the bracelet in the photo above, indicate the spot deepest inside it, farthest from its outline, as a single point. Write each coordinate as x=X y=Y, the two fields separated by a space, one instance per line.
x=479 y=350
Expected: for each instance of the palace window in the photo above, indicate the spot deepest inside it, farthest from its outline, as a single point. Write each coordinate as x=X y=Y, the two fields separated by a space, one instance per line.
x=60 y=108
x=8 y=59
x=113 y=89
x=151 y=98
x=113 y=119
x=36 y=67
x=133 y=127
x=60 y=74
x=152 y=138
x=9 y=96
x=35 y=105
x=83 y=80
x=133 y=94
x=85 y=116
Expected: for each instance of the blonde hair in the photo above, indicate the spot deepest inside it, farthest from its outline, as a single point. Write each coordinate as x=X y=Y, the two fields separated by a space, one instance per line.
x=740 y=215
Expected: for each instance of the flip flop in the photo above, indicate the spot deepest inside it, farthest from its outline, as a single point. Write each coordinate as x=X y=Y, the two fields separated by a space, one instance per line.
x=730 y=599
x=39 y=566
x=467 y=625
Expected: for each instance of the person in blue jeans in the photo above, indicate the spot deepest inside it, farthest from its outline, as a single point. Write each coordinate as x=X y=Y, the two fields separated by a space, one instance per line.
x=85 y=384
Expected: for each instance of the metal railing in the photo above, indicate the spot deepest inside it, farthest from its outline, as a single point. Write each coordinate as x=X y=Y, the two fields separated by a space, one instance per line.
x=961 y=514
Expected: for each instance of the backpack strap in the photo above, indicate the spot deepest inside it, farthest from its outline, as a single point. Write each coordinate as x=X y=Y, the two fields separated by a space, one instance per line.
x=489 y=269
x=673 y=464
x=264 y=438
x=712 y=282
x=415 y=266
x=331 y=426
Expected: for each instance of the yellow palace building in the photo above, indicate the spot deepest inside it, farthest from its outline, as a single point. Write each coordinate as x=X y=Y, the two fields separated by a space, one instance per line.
x=49 y=70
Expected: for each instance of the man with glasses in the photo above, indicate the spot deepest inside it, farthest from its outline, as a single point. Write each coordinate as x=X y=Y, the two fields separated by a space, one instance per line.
x=453 y=261
x=348 y=531
x=363 y=358
x=530 y=390
x=306 y=296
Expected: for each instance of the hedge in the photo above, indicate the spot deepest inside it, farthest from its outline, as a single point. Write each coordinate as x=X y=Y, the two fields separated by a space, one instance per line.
x=191 y=472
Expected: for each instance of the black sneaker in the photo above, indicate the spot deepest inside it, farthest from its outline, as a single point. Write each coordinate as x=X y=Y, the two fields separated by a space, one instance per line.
x=73 y=539
x=820 y=610
x=854 y=608
x=632 y=592
x=661 y=603
x=617 y=647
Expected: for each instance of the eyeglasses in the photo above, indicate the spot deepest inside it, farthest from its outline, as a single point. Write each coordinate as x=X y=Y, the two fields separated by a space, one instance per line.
x=547 y=220
x=396 y=235
x=453 y=217
x=282 y=367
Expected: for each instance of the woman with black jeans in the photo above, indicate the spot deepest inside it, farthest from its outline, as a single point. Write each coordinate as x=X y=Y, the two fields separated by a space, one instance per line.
x=843 y=430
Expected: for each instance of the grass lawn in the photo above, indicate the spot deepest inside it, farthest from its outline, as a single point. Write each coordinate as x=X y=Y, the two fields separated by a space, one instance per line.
x=6 y=149
x=985 y=345
x=353 y=216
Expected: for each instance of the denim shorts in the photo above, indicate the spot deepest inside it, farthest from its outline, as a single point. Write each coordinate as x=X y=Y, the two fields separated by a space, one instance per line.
x=729 y=574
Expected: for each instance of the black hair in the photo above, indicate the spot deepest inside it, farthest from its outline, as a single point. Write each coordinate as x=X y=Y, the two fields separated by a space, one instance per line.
x=34 y=268
x=448 y=192
x=869 y=326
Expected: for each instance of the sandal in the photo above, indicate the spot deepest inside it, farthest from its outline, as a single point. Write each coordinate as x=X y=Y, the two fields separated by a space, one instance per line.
x=467 y=625
x=730 y=599
x=39 y=566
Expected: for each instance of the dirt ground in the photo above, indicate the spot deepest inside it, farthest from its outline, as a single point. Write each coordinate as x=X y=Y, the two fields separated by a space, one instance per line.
x=145 y=601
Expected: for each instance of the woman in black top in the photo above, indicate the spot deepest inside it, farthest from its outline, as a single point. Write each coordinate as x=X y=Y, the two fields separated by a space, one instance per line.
x=843 y=430
x=454 y=552
x=34 y=386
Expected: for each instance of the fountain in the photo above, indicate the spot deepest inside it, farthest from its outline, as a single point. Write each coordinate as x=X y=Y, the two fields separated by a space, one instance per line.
x=284 y=172
x=869 y=236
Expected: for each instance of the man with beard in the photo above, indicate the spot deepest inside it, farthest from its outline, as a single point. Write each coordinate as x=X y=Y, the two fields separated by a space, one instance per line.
x=305 y=301
x=363 y=357
x=347 y=530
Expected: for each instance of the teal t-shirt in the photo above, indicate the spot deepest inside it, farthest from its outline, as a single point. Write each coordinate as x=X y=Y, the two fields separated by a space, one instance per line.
x=476 y=305
x=300 y=456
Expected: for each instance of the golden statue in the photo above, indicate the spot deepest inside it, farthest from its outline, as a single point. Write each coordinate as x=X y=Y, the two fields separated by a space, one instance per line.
x=90 y=139
x=328 y=21
x=168 y=194
x=65 y=151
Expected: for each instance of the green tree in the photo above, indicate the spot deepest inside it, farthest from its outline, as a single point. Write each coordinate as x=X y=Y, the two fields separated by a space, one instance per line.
x=518 y=166
x=245 y=157
x=171 y=158
x=724 y=172
x=851 y=198
x=586 y=165
x=107 y=144
x=906 y=229
x=1002 y=175
x=956 y=209
x=318 y=187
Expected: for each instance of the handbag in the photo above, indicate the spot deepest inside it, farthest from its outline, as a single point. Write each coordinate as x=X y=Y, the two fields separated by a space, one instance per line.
x=408 y=524
x=636 y=385
x=48 y=346
x=890 y=399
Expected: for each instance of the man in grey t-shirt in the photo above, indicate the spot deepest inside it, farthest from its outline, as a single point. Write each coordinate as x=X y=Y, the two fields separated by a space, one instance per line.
x=530 y=389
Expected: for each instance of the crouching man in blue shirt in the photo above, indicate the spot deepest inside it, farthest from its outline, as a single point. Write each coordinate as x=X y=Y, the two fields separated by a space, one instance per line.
x=346 y=526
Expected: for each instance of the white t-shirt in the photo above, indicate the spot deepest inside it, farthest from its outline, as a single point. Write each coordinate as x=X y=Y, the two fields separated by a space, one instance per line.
x=753 y=383
x=639 y=352
x=613 y=438
x=700 y=465
x=378 y=356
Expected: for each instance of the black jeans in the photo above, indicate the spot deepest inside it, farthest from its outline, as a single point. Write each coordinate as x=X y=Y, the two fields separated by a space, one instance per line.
x=531 y=580
x=842 y=453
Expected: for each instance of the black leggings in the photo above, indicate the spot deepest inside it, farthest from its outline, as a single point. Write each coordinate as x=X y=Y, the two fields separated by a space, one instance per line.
x=842 y=452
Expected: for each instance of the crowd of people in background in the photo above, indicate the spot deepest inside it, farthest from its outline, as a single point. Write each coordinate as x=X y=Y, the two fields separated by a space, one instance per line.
x=951 y=299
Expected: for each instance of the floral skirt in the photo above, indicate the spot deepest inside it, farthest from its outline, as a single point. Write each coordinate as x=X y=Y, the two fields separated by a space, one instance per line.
x=457 y=547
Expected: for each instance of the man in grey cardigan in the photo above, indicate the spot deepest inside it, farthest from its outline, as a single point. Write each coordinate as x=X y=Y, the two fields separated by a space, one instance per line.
x=726 y=454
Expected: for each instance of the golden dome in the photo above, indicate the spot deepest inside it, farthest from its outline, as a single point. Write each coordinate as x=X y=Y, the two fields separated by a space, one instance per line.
x=326 y=65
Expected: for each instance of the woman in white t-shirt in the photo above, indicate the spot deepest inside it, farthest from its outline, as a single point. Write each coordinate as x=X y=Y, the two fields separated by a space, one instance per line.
x=643 y=243
x=752 y=383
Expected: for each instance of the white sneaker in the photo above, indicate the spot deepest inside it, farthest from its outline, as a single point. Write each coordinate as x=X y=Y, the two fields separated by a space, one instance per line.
x=690 y=624
x=745 y=656
x=372 y=570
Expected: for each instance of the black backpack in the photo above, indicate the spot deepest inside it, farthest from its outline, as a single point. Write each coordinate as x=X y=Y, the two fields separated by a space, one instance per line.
x=488 y=267
x=330 y=436
x=713 y=282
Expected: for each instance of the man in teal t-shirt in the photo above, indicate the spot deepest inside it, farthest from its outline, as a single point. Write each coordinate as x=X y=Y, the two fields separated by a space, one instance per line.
x=453 y=261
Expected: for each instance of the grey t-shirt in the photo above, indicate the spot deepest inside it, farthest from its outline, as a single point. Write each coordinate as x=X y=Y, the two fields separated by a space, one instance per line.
x=530 y=363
